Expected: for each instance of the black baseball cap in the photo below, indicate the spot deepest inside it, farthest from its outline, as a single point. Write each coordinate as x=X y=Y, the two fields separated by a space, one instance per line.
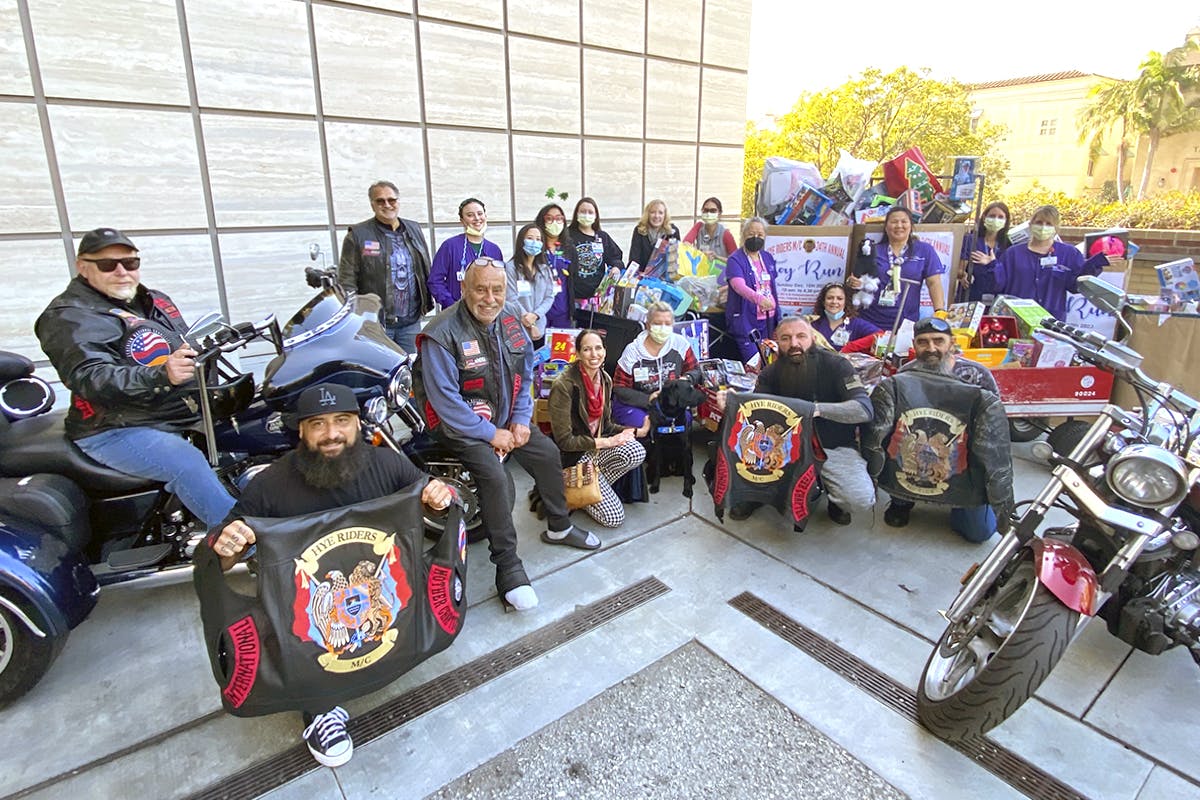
x=932 y=325
x=325 y=398
x=101 y=238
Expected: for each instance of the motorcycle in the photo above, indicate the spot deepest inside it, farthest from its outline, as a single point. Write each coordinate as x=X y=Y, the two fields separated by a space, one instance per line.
x=69 y=525
x=1131 y=557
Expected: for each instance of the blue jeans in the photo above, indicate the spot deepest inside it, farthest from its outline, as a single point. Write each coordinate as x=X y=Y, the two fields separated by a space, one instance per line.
x=168 y=457
x=974 y=523
x=404 y=335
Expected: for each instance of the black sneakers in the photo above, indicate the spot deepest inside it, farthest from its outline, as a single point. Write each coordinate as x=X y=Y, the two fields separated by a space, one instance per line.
x=839 y=515
x=895 y=515
x=327 y=738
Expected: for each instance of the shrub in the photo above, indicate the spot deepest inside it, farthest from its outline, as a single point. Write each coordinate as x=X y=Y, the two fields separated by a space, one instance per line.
x=1172 y=210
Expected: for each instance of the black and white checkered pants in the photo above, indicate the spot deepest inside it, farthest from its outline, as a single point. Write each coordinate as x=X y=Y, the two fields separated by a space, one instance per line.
x=612 y=463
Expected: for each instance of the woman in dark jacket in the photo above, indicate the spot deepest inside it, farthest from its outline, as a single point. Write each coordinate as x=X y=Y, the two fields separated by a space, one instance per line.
x=595 y=251
x=583 y=428
x=654 y=226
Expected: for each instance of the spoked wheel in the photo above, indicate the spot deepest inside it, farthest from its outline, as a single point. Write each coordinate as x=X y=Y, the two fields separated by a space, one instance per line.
x=24 y=658
x=435 y=523
x=984 y=668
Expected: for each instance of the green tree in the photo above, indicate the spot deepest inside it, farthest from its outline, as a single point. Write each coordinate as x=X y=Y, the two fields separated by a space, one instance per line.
x=877 y=116
x=1109 y=105
x=1164 y=100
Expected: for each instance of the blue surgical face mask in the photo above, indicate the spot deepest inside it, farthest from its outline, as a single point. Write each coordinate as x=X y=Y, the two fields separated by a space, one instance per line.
x=835 y=315
x=532 y=246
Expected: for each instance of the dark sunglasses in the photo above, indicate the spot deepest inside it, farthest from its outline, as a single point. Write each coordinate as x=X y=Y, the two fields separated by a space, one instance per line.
x=932 y=325
x=386 y=201
x=110 y=264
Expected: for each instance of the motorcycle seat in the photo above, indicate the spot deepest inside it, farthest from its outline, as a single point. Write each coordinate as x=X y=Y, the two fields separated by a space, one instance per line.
x=13 y=366
x=39 y=444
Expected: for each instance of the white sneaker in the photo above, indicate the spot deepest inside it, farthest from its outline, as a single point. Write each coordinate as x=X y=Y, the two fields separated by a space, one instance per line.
x=327 y=738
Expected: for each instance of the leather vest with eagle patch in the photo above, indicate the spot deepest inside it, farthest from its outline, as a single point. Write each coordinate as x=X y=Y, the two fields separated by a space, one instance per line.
x=348 y=600
x=928 y=449
x=767 y=453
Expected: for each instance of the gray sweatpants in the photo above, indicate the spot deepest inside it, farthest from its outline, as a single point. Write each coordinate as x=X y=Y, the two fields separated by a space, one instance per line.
x=846 y=479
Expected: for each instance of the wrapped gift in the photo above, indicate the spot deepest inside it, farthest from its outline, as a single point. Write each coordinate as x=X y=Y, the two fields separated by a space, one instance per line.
x=909 y=170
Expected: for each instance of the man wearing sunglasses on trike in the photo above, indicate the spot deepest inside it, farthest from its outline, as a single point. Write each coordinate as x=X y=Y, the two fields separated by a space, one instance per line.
x=119 y=348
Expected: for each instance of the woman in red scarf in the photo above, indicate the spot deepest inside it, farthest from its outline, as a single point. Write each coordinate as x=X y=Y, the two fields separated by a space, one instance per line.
x=583 y=428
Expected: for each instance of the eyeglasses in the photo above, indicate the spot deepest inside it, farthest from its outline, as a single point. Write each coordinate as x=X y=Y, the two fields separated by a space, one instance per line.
x=110 y=264
x=386 y=201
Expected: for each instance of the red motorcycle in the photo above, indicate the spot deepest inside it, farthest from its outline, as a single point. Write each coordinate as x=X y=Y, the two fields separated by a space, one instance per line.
x=1131 y=557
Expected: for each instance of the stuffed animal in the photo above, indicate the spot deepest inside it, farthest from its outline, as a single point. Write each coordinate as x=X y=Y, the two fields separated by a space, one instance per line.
x=864 y=268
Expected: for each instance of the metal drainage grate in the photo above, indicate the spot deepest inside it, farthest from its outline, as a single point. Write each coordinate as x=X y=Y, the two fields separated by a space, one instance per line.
x=296 y=761
x=1001 y=762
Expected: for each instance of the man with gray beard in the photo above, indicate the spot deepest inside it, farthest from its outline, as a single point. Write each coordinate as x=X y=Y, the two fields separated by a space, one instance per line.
x=935 y=439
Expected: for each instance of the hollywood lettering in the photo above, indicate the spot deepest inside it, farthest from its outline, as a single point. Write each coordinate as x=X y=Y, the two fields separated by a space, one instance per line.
x=444 y=612
x=244 y=636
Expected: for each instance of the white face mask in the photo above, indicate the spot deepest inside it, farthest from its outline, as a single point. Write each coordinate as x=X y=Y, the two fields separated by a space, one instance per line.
x=586 y=219
x=660 y=333
x=709 y=217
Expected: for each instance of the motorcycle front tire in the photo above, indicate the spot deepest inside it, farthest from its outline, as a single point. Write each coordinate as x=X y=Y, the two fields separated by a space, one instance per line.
x=24 y=658
x=1025 y=633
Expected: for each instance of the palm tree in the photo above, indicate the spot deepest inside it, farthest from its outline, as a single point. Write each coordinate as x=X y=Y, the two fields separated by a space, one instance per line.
x=1109 y=104
x=1163 y=100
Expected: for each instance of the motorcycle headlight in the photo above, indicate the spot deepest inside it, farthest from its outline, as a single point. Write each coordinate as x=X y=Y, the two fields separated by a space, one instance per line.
x=1147 y=475
x=400 y=386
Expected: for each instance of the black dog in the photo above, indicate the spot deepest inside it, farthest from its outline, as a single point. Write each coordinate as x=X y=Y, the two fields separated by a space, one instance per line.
x=669 y=445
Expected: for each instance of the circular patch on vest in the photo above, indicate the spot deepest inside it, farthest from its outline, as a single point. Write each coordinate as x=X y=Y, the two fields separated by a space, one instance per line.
x=147 y=347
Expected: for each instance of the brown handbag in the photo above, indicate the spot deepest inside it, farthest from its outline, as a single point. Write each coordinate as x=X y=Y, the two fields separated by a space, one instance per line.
x=580 y=485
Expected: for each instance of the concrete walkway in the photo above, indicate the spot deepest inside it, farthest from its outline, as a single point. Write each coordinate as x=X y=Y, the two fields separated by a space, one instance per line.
x=130 y=708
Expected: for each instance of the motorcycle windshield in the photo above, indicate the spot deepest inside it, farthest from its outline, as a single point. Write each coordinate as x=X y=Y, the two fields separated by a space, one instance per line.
x=328 y=340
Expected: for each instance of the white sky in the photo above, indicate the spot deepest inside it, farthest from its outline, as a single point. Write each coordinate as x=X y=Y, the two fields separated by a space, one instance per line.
x=806 y=45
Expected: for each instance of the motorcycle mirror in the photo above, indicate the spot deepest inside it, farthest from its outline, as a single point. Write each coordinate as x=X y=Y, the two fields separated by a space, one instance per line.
x=206 y=326
x=314 y=251
x=1102 y=294
x=1106 y=297
x=376 y=411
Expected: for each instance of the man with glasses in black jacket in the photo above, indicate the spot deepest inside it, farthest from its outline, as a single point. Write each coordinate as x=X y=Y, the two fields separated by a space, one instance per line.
x=388 y=256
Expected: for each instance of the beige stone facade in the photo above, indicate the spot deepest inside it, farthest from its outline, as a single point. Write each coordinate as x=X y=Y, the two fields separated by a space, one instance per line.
x=227 y=136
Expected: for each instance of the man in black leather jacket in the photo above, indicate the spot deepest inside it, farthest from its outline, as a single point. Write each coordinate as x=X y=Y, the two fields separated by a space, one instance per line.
x=940 y=435
x=119 y=348
x=388 y=256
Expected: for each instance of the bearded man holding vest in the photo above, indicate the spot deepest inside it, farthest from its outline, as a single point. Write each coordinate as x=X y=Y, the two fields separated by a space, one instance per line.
x=472 y=381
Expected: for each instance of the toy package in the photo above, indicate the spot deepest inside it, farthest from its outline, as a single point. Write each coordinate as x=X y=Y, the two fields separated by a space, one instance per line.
x=1021 y=353
x=965 y=318
x=1029 y=313
x=1179 y=280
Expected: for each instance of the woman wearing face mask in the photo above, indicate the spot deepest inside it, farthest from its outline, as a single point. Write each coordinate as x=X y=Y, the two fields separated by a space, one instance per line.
x=451 y=260
x=656 y=356
x=842 y=330
x=1043 y=269
x=983 y=249
x=752 y=310
x=709 y=235
x=530 y=282
x=902 y=261
x=582 y=424
x=552 y=222
x=595 y=251
x=654 y=226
